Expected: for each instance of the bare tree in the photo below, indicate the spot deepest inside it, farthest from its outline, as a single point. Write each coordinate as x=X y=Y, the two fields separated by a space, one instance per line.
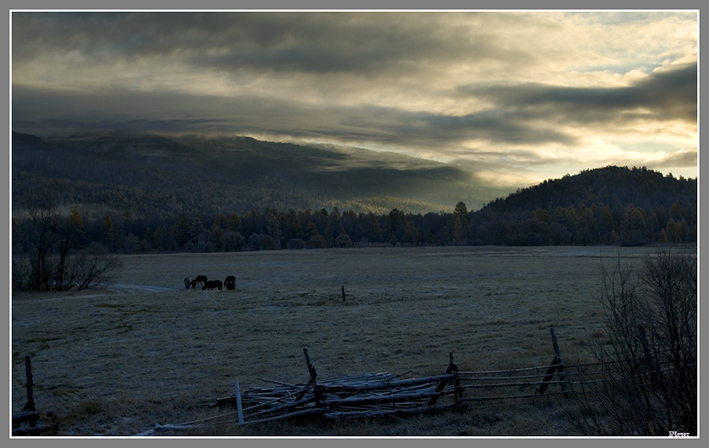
x=55 y=259
x=649 y=378
x=92 y=267
x=44 y=216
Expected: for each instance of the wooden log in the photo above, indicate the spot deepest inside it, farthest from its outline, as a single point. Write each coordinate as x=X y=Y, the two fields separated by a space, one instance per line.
x=386 y=385
x=259 y=395
x=301 y=402
x=359 y=377
x=382 y=399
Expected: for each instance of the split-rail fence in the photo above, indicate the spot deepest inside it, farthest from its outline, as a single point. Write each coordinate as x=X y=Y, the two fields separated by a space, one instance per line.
x=371 y=395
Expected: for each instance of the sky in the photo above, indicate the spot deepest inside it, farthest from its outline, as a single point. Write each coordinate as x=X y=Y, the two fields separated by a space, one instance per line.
x=515 y=97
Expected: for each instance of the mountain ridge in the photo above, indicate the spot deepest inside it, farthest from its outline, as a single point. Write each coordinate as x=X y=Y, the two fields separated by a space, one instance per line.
x=153 y=193
x=233 y=173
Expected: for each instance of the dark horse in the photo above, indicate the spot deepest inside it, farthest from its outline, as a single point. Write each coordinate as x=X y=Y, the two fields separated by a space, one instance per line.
x=201 y=279
x=230 y=282
x=211 y=284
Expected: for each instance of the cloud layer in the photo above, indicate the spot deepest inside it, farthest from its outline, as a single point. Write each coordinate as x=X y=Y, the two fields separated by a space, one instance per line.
x=515 y=97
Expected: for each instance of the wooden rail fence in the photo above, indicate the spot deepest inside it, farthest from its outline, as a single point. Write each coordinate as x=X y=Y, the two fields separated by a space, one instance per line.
x=385 y=394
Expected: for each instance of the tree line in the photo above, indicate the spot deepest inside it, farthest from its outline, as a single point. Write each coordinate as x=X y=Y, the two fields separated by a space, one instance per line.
x=271 y=229
x=56 y=247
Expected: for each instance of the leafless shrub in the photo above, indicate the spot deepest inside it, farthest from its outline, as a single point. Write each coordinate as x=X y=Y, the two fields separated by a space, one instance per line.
x=56 y=259
x=649 y=377
x=92 y=267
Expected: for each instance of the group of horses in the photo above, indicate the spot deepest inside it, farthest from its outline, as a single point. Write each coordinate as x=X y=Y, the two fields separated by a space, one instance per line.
x=204 y=283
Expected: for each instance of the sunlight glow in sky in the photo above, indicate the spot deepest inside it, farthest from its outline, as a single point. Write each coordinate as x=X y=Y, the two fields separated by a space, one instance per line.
x=515 y=97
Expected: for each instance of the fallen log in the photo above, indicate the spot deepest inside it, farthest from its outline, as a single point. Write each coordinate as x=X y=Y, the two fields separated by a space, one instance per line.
x=382 y=399
x=301 y=402
x=385 y=385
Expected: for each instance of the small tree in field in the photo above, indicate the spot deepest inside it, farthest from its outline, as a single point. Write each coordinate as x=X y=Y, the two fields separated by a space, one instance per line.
x=55 y=258
x=650 y=371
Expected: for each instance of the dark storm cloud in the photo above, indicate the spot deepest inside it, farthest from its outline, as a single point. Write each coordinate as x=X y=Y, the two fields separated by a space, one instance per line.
x=661 y=96
x=495 y=126
x=163 y=111
x=683 y=158
x=358 y=43
x=486 y=88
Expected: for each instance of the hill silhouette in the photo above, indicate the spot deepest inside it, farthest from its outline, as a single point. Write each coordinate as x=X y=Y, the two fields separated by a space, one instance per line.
x=614 y=186
x=152 y=175
x=133 y=193
x=613 y=204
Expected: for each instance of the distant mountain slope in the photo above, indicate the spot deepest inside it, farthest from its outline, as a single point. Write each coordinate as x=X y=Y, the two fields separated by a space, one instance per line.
x=611 y=205
x=151 y=175
x=613 y=186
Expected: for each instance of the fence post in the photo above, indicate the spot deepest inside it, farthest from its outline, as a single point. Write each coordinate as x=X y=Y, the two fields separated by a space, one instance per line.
x=452 y=368
x=556 y=365
x=313 y=375
x=30 y=406
x=311 y=369
x=560 y=364
x=238 y=403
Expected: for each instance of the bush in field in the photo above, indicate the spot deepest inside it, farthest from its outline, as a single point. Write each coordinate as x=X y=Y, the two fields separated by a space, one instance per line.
x=295 y=243
x=650 y=371
x=56 y=255
x=343 y=240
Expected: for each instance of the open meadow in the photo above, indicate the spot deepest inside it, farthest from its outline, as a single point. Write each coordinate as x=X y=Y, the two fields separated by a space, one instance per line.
x=116 y=361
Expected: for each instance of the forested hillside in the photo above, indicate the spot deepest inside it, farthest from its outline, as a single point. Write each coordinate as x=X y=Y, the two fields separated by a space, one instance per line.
x=153 y=176
x=612 y=205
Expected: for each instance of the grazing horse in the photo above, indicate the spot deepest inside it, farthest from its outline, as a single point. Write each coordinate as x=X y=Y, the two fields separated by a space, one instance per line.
x=230 y=282
x=211 y=284
x=201 y=279
x=189 y=282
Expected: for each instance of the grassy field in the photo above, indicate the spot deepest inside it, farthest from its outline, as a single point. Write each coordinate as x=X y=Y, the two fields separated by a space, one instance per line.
x=115 y=362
